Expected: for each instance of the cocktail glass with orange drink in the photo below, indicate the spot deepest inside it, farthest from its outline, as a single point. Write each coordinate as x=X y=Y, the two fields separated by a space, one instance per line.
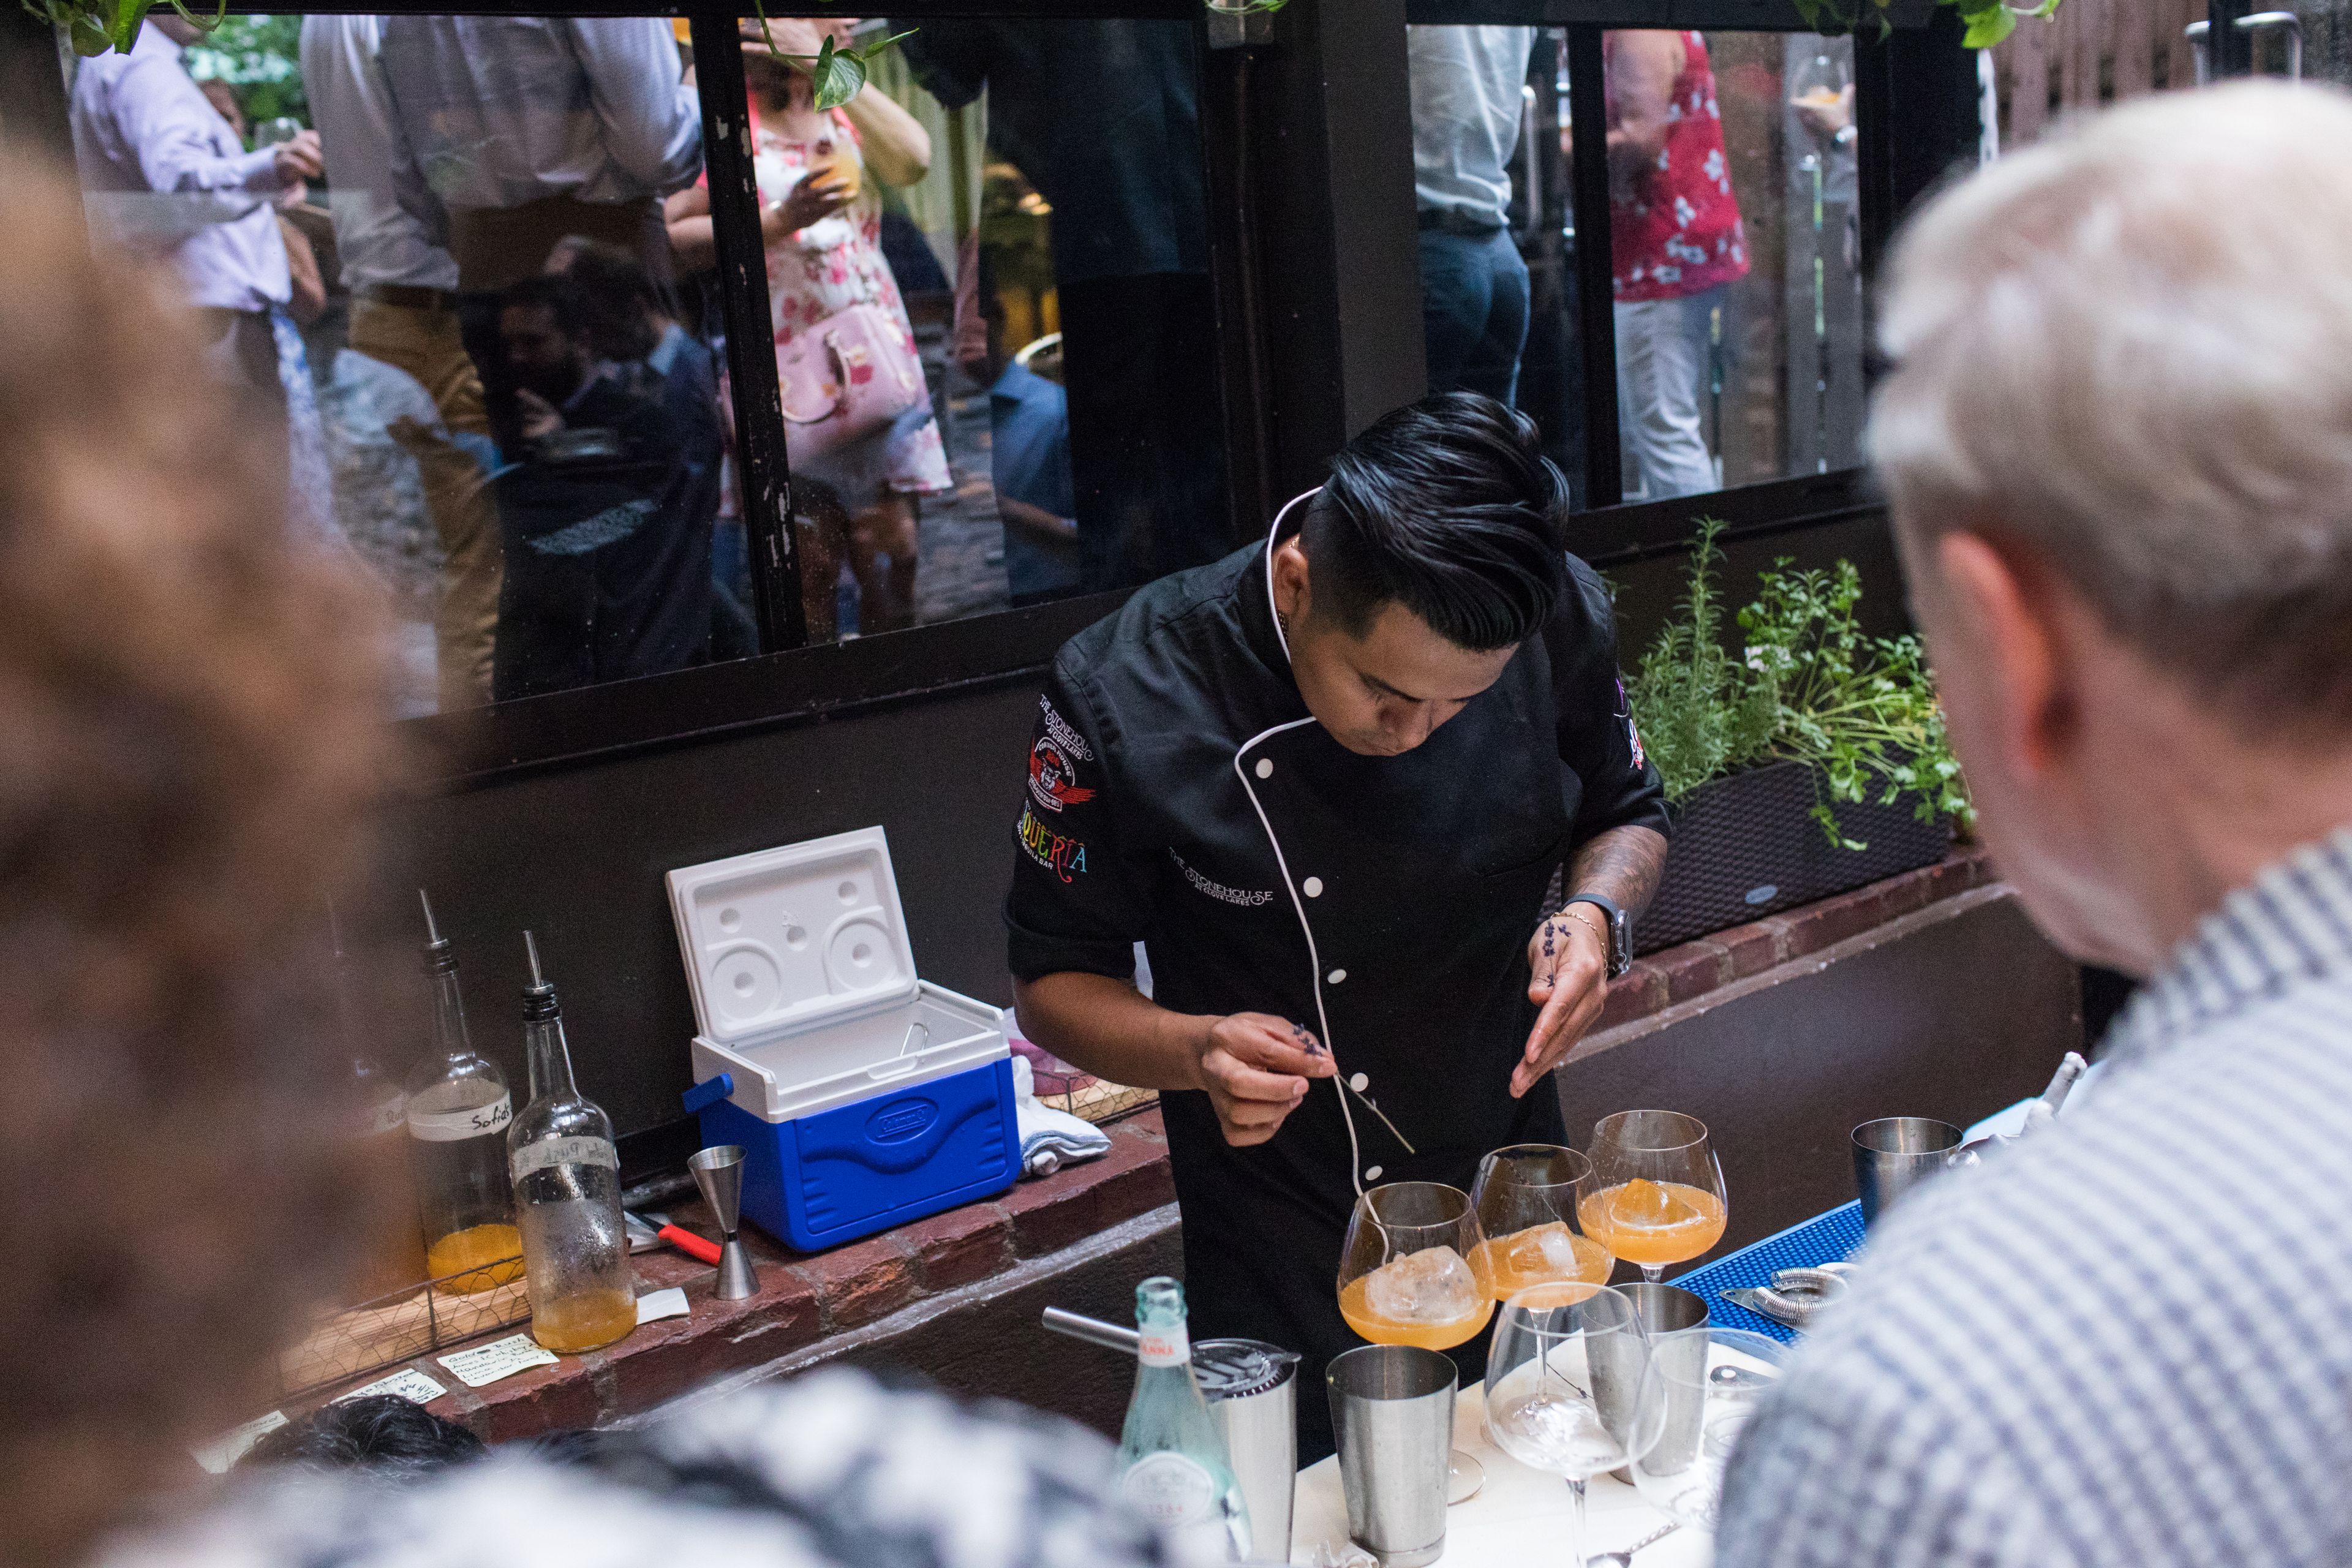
x=1526 y=1198
x=1655 y=1194
x=1406 y=1277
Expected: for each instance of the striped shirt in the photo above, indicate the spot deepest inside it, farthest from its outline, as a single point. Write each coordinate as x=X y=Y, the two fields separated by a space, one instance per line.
x=2127 y=1340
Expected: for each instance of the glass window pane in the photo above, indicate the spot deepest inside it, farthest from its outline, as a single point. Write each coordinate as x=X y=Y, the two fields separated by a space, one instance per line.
x=433 y=251
x=1497 y=232
x=1734 y=258
x=993 y=320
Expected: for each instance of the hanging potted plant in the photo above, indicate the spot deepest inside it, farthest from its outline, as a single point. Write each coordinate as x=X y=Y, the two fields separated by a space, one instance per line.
x=1810 y=761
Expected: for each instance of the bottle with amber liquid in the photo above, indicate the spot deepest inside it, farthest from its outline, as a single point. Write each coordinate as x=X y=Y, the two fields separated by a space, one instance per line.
x=458 y=1112
x=378 y=1110
x=567 y=1187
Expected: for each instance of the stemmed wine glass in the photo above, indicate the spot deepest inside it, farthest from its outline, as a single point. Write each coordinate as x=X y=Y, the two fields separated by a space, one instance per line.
x=1703 y=1384
x=1566 y=1387
x=1526 y=1198
x=1409 y=1275
x=1655 y=1194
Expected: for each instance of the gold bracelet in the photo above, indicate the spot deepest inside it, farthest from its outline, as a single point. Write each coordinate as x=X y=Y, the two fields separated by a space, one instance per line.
x=1568 y=911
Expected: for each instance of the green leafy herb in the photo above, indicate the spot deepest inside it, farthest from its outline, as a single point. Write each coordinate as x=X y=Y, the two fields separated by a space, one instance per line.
x=1808 y=686
x=94 y=26
x=837 y=74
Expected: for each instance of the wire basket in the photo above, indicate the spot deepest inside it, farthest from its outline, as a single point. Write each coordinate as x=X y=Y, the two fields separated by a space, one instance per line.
x=399 y=1325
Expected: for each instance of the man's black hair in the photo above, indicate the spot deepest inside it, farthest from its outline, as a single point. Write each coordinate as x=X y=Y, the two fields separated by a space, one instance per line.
x=382 y=1433
x=618 y=291
x=574 y=312
x=1448 y=507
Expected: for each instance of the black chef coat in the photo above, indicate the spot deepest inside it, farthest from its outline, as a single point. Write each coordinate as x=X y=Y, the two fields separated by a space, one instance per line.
x=1422 y=876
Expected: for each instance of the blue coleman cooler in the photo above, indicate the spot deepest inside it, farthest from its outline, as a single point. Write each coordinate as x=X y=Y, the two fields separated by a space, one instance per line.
x=863 y=1097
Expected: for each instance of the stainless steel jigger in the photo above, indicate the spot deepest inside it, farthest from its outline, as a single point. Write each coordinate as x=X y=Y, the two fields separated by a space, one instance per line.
x=718 y=1172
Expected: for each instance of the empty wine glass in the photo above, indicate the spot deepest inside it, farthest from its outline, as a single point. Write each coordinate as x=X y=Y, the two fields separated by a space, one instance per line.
x=1655 y=1194
x=1526 y=1198
x=1409 y=1275
x=1566 y=1387
x=1703 y=1384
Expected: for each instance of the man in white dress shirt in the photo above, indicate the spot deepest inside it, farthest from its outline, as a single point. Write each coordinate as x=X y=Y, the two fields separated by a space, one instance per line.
x=404 y=288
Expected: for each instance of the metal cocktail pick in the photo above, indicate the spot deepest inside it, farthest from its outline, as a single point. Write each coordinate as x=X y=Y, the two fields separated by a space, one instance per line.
x=718 y=1172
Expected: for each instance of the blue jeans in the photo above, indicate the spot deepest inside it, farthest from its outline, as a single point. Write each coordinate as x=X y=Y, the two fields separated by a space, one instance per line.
x=1473 y=310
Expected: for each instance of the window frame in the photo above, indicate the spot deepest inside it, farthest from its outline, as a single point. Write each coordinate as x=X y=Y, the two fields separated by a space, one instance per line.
x=795 y=681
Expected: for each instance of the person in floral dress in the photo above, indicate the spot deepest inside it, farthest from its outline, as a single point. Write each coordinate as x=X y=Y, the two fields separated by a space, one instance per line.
x=819 y=174
x=1676 y=245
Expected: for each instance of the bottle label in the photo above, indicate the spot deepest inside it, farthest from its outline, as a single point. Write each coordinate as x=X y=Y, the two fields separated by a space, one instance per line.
x=450 y=1126
x=563 y=1152
x=1169 y=1490
x=384 y=1116
x=1165 y=1344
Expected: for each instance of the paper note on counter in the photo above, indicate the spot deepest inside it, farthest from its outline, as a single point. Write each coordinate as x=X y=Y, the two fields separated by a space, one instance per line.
x=655 y=1305
x=408 y=1382
x=500 y=1358
x=231 y=1445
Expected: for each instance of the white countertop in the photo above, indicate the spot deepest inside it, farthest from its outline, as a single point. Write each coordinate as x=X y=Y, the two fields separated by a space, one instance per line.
x=1519 y=1520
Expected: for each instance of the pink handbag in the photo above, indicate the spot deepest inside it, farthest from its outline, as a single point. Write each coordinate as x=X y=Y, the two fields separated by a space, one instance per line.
x=844 y=378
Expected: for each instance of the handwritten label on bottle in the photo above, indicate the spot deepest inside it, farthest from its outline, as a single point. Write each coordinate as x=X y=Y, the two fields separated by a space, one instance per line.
x=563 y=1152
x=1165 y=1346
x=450 y=1126
x=1169 y=1490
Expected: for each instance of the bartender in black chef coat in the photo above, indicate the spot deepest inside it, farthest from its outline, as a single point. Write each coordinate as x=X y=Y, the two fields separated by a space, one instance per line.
x=1327 y=782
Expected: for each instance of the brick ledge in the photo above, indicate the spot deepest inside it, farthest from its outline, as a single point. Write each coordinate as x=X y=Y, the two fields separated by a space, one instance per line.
x=806 y=1300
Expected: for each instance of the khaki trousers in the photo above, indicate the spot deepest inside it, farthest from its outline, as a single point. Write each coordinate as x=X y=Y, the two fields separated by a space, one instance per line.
x=424 y=340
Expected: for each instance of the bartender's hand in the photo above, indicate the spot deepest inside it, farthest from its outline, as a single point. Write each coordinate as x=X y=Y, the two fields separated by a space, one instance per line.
x=1256 y=1068
x=1569 y=962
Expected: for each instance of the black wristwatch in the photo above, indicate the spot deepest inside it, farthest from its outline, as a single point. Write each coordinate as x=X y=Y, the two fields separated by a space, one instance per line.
x=1620 y=927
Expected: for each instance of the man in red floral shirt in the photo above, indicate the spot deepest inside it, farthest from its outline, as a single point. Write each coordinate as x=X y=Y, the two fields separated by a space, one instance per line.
x=1676 y=245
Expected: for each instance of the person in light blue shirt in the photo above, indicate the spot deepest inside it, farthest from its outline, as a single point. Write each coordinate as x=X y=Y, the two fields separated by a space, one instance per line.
x=2116 y=444
x=1467 y=105
x=1029 y=464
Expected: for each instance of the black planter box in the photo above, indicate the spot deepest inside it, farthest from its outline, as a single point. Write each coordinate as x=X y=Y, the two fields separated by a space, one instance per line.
x=1748 y=845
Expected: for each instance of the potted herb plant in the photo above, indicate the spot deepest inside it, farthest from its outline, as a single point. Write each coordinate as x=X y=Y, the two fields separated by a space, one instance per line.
x=1812 y=761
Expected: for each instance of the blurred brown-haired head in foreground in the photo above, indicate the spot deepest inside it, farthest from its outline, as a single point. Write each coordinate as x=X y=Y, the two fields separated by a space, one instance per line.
x=189 y=742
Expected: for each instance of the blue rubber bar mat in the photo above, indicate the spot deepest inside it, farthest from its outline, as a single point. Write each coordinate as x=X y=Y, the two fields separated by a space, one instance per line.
x=1825 y=1238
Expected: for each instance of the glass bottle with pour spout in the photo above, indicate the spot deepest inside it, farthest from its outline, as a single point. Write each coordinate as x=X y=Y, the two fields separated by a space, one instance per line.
x=1173 y=1467
x=459 y=1112
x=567 y=1186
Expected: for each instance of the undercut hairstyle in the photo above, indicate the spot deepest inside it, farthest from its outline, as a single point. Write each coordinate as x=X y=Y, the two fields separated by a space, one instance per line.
x=2130 y=348
x=1449 y=508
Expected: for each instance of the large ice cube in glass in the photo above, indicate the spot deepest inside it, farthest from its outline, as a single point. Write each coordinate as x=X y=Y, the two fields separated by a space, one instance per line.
x=1432 y=1286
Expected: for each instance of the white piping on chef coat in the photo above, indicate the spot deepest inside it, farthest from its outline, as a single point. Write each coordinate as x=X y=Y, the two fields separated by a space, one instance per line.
x=1322 y=1019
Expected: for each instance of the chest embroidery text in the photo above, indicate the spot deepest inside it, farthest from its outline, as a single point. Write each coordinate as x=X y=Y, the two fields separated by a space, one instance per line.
x=1245 y=898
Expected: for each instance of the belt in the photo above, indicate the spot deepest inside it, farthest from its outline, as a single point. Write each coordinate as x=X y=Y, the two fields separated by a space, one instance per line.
x=1453 y=220
x=408 y=296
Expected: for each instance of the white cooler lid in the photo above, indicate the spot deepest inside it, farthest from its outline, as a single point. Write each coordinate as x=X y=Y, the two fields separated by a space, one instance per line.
x=784 y=938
